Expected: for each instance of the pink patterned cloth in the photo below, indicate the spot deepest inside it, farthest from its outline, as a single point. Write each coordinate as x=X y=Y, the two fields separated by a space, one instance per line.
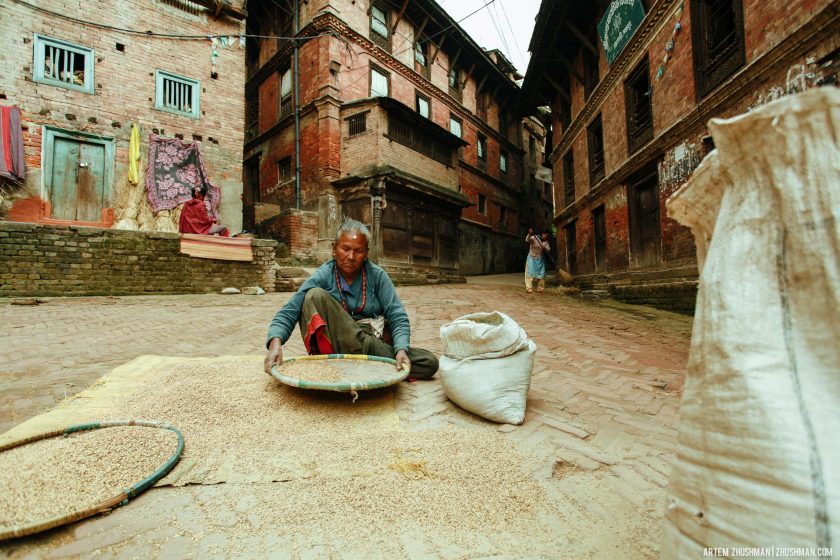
x=174 y=169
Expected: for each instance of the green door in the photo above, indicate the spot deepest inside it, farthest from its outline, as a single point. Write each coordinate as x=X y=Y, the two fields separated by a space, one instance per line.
x=77 y=176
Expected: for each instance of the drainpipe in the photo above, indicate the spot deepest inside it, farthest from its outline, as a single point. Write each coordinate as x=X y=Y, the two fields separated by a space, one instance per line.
x=297 y=104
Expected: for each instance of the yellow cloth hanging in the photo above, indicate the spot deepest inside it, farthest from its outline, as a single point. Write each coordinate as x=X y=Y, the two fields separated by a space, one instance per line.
x=134 y=155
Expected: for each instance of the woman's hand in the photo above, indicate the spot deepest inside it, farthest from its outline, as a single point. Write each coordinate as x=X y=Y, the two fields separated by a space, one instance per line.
x=275 y=355
x=402 y=358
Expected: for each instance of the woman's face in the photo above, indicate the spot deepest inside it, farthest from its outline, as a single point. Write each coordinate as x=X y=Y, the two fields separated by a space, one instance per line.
x=350 y=251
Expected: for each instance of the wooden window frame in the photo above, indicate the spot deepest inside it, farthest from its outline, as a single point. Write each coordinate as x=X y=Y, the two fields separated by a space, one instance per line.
x=375 y=36
x=481 y=205
x=481 y=158
x=419 y=96
x=422 y=67
x=161 y=76
x=42 y=44
x=638 y=107
x=591 y=67
x=357 y=124
x=504 y=171
x=381 y=71
x=286 y=106
x=460 y=125
x=595 y=143
x=456 y=91
x=569 y=178
x=712 y=69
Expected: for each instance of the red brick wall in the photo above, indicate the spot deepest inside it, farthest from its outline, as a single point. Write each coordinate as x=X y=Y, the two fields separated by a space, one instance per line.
x=674 y=98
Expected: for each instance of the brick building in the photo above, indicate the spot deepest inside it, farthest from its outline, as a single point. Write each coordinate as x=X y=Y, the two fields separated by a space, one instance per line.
x=404 y=124
x=629 y=131
x=80 y=86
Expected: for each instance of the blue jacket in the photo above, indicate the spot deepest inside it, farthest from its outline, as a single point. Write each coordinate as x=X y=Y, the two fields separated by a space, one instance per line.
x=382 y=300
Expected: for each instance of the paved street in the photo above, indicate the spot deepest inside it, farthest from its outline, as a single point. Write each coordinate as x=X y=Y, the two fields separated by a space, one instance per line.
x=601 y=421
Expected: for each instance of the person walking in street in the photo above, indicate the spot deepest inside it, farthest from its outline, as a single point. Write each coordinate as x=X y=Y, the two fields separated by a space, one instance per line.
x=349 y=306
x=535 y=263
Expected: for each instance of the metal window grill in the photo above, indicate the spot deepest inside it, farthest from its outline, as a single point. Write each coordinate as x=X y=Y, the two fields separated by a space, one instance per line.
x=357 y=123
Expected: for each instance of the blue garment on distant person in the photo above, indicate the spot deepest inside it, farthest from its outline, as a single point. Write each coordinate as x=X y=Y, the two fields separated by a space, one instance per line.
x=535 y=267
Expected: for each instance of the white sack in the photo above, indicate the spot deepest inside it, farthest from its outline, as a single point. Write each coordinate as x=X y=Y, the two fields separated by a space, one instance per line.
x=758 y=460
x=485 y=335
x=495 y=388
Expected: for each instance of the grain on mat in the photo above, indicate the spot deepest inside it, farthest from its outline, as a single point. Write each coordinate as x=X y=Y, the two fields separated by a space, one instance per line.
x=311 y=370
x=59 y=475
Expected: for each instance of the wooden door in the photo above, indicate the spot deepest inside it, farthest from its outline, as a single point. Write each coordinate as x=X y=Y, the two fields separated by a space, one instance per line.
x=647 y=236
x=599 y=225
x=77 y=180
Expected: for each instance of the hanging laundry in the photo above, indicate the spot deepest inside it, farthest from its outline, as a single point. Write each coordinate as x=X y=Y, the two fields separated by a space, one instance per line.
x=173 y=170
x=134 y=155
x=12 y=164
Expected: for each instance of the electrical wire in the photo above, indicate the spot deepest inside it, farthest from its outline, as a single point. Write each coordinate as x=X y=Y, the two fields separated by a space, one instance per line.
x=163 y=35
x=513 y=34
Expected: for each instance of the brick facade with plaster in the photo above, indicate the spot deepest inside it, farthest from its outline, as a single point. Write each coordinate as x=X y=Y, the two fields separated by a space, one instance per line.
x=778 y=48
x=121 y=89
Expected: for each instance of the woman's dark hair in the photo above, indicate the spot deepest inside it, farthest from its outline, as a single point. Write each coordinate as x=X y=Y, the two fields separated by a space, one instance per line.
x=199 y=191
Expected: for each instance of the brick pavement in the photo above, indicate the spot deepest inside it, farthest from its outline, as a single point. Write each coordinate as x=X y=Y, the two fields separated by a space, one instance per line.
x=601 y=421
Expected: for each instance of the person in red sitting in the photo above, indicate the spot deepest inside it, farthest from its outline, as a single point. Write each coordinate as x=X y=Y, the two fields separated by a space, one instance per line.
x=196 y=219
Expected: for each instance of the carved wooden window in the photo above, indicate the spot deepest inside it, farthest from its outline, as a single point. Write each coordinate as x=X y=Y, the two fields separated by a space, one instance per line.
x=595 y=134
x=718 y=41
x=638 y=105
x=422 y=141
x=591 y=73
x=569 y=178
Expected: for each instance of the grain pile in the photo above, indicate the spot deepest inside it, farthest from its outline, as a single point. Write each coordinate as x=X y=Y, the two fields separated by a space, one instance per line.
x=311 y=370
x=55 y=476
x=341 y=472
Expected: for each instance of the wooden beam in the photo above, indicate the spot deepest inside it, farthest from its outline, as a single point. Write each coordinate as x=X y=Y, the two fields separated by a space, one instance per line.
x=419 y=32
x=481 y=84
x=440 y=46
x=565 y=62
x=582 y=38
x=560 y=89
x=454 y=61
x=223 y=8
x=399 y=16
x=470 y=73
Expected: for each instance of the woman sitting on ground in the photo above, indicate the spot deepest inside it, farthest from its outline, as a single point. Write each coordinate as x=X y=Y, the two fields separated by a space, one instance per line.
x=196 y=219
x=349 y=306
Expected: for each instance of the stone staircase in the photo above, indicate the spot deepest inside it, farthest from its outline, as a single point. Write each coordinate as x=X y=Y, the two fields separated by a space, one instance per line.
x=290 y=278
x=673 y=289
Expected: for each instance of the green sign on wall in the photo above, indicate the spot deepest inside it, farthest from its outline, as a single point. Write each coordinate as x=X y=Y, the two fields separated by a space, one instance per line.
x=619 y=24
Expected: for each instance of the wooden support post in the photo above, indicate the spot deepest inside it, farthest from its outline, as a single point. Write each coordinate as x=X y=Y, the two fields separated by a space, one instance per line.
x=481 y=84
x=558 y=87
x=437 y=50
x=582 y=38
x=565 y=62
x=399 y=16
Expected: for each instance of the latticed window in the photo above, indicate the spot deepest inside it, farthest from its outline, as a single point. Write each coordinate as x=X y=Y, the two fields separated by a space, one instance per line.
x=63 y=64
x=286 y=93
x=595 y=135
x=402 y=131
x=379 y=33
x=638 y=105
x=177 y=94
x=357 y=123
x=718 y=41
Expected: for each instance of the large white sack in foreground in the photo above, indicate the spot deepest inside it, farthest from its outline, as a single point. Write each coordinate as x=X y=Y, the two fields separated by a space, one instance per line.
x=495 y=388
x=486 y=335
x=758 y=461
